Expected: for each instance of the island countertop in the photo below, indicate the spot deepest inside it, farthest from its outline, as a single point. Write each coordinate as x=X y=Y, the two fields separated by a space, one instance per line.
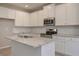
x=34 y=41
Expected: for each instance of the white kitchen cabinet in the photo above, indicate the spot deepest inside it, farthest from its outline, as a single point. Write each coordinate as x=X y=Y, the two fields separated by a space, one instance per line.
x=48 y=49
x=21 y=19
x=11 y=13
x=49 y=11
x=23 y=49
x=72 y=14
x=40 y=19
x=3 y=12
x=45 y=12
x=7 y=13
x=63 y=45
x=68 y=44
x=60 y=14
x=26 y=19
x=67 y=14
x=36 y=18
x=74 y=48
x=33 y=19
x=59 y=44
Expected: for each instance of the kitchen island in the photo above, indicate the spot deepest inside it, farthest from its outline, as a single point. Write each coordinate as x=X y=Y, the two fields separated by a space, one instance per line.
x=34 y=46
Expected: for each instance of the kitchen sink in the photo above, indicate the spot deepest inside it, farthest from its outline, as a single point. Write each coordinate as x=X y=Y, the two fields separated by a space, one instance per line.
x=25 y=36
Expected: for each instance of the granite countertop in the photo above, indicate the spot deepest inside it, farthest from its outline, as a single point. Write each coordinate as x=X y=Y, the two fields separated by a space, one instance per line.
x=35 y=41
x=67 y=35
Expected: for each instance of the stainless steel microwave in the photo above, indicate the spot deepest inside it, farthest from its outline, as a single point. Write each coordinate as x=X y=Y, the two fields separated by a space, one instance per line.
x=49 y=21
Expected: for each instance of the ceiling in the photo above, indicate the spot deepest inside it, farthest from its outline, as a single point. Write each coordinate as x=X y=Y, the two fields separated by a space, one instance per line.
x=21 y=6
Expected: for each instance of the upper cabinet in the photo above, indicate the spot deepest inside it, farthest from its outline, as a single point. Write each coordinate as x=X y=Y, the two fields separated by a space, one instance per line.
x=26 y=18
x=60 y=14
x=21 y=19
x=72 y=14
x=33 y=19
x=40 y=18
x=11 y=13
x=67 y=14
x=36 y=18
x=49 y=11
x=7 y=13
x=3 y=12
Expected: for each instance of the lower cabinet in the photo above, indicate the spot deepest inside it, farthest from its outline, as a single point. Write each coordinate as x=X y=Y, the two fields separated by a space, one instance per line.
x=48 y=49
x=74 y=47
x=60 y=47
x=59 y=44
x=21 y=49
x=67 y=45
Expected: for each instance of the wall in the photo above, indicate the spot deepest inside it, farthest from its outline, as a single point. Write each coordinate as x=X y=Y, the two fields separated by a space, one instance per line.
x=21 y=29
x=74 y=30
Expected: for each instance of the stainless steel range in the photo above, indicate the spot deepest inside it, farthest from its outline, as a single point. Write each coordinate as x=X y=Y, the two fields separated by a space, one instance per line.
x=49 y=33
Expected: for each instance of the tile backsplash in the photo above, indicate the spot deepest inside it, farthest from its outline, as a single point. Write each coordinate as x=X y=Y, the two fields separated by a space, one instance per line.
x=21 y=29
x=74 y=30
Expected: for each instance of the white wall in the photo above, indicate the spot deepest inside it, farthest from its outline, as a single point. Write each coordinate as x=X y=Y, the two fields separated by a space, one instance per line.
x=21 y=29
x=74 y=30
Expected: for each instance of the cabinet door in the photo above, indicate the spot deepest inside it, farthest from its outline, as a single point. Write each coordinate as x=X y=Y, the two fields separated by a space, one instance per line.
x=22 y=18
x=26 y=19
x=19 y=19
x=48 y=49
x=72 y=14
x=11 y=14
x=59 y=44
x=72 y=47
x=49 y=11
x=75 y=47
x=3 y=12
x=33 y=19
x=68 y=44
x=60 y=14
x=45 y=12
x=7 y=13
x=40 y=18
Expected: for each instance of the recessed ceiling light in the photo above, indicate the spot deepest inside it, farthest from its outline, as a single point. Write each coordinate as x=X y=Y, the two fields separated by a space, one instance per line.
x=26 y=6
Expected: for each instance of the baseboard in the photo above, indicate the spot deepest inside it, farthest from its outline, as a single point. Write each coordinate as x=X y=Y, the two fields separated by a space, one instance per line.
x=62 y=54
x=5 y=47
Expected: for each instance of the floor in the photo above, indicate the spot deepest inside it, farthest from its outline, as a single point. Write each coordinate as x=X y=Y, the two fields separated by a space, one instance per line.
x=5 y=52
